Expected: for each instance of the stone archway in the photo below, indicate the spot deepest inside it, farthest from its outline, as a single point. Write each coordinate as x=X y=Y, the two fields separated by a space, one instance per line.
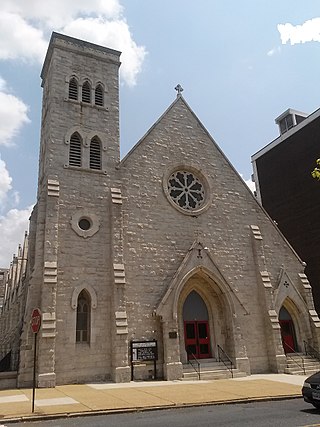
x=211 y=309
x=200 y=273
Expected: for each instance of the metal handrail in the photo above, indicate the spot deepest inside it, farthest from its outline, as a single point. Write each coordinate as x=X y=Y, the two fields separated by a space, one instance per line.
x=198 y=370
x=293 y=351
x=221 y=352
x=309 y=350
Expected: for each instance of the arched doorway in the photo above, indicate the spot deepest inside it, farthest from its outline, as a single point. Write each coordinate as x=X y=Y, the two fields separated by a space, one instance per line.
x=288 y=334
x=196 y=327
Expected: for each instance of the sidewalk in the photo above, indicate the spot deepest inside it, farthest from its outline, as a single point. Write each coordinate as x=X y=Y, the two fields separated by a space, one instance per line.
x=68 y=400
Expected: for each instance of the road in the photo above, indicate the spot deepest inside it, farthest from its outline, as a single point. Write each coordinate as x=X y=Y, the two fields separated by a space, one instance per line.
x=287 y=413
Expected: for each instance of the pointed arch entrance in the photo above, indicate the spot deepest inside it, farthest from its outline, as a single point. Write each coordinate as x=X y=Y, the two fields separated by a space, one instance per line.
x=288 y=333
x=196 y=327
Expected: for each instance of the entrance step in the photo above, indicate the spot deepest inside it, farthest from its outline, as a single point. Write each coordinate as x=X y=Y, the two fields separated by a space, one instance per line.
x=210 y=369
x=301 y=364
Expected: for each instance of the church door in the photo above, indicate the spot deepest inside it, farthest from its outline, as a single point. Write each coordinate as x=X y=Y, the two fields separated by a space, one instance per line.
x=287 y=331
x=196 y=327
x=197 y=339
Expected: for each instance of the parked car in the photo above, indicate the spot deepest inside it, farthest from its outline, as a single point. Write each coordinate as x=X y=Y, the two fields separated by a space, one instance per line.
x=311 y=390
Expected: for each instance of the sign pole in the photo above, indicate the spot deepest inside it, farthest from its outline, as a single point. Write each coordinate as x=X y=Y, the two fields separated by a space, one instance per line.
x=35 y=326
x=34 y=370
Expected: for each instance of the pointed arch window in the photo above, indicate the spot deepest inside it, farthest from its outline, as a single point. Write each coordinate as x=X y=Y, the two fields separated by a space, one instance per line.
x=95 y=153
x=86 y=92
x=73 y=89
x=98 y=96
x=75 y=150
x=83 y=317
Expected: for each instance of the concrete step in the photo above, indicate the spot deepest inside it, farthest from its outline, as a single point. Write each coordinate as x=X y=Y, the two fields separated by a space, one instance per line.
x=213 y=375
x=301 y=372
x=210 y=369
x=296 y=362
x=213 y=366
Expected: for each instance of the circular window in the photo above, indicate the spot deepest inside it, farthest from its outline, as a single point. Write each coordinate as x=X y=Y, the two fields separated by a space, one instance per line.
x=84 y=224
x=186 y=190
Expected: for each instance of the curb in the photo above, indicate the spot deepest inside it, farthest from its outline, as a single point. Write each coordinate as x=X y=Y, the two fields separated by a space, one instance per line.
x=48 y=417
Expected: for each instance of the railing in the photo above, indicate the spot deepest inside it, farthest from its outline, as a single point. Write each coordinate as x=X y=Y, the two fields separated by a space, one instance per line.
x=309 y=350
x=225 y=359
x=9 y=360
x=194 y=362
x=294 y=360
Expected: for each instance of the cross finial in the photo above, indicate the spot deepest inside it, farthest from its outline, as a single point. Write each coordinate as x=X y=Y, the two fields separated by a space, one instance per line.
x=179 y=89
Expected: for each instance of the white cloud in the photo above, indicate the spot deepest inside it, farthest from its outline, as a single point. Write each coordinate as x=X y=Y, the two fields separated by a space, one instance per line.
x=250 y=184
x=5 y=183
x=13 y=115
x=273 y=51
x=114 y=34
x=12 y=228
x=307 y=32
x=26 y=43
x=58 y=13
x=97 y=21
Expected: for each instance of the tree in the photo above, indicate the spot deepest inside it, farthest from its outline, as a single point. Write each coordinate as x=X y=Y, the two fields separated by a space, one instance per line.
x=316 y=171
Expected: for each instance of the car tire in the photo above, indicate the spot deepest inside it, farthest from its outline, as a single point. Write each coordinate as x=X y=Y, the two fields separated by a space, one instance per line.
x=316 y=405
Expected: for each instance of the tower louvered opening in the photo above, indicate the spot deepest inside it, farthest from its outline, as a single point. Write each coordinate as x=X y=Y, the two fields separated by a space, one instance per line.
x=75 y=150
x=86 y=92
x=95 y=153
x=73 y=89
x=98 y=96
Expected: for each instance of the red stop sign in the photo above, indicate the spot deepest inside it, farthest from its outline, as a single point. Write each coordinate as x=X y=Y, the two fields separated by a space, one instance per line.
x=35 y=320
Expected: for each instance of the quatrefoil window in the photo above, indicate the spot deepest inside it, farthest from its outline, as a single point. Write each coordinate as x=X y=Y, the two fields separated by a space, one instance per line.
x=186 y=190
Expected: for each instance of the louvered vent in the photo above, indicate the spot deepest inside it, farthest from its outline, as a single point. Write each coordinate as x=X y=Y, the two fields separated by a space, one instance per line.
x=99 y=96
x=86 y=92
x=95 y=153
x=73 y=89
x=75 y=150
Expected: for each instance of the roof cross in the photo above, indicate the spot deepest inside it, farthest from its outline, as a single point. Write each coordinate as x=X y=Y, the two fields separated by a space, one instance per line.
x=179 y=89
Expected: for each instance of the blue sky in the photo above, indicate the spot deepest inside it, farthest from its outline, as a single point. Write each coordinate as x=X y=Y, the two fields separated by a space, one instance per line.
x=241 y=64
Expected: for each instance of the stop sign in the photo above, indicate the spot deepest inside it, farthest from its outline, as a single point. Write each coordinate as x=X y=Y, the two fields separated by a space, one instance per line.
x=35 y=320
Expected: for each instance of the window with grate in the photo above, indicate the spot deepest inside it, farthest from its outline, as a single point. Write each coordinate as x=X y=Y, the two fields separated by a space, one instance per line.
x=73 y=89
x=75 y=150
x=86 y=92
x=95 y=153
x=98 y=96
x=83 y=317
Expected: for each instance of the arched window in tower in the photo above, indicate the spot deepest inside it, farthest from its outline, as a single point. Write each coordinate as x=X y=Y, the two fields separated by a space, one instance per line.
x=98 y=95
x=73 y=89
x=95 y=153
x=75 y=150
x=86 y=92
x=83 y=317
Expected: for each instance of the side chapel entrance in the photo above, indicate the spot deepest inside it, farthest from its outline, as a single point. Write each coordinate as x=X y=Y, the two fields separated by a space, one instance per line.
x=287 y=331
x=196 y=327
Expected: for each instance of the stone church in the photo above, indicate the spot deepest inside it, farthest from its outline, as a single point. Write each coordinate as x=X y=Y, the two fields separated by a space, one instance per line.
x=167 y=245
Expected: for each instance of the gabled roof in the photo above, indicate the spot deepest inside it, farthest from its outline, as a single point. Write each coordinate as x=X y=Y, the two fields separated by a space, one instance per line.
x=178 y=99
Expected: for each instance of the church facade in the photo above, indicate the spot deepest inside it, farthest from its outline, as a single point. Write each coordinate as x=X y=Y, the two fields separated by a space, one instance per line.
x=167 y=244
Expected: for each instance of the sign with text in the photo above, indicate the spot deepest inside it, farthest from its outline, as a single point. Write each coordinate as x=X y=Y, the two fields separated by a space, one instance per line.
x=142 y=351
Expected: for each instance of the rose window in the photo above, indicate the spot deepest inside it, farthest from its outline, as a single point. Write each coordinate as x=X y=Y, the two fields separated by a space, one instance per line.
x=186 y=190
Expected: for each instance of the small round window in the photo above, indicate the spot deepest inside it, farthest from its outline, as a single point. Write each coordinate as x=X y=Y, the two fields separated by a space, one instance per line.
x=186 y=190
x=84 y=224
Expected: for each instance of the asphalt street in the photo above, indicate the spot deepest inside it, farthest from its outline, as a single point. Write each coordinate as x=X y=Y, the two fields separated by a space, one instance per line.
x=286 y=413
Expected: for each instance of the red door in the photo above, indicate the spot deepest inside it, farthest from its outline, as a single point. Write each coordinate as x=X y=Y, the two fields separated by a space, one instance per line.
x=287 y=334
x=197 y=341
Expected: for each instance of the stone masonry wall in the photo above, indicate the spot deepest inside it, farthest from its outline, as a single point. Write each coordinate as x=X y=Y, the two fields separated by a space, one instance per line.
x=158 y=236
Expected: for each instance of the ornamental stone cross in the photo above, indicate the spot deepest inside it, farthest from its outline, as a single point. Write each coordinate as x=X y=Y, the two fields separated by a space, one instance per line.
x=179 y=89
